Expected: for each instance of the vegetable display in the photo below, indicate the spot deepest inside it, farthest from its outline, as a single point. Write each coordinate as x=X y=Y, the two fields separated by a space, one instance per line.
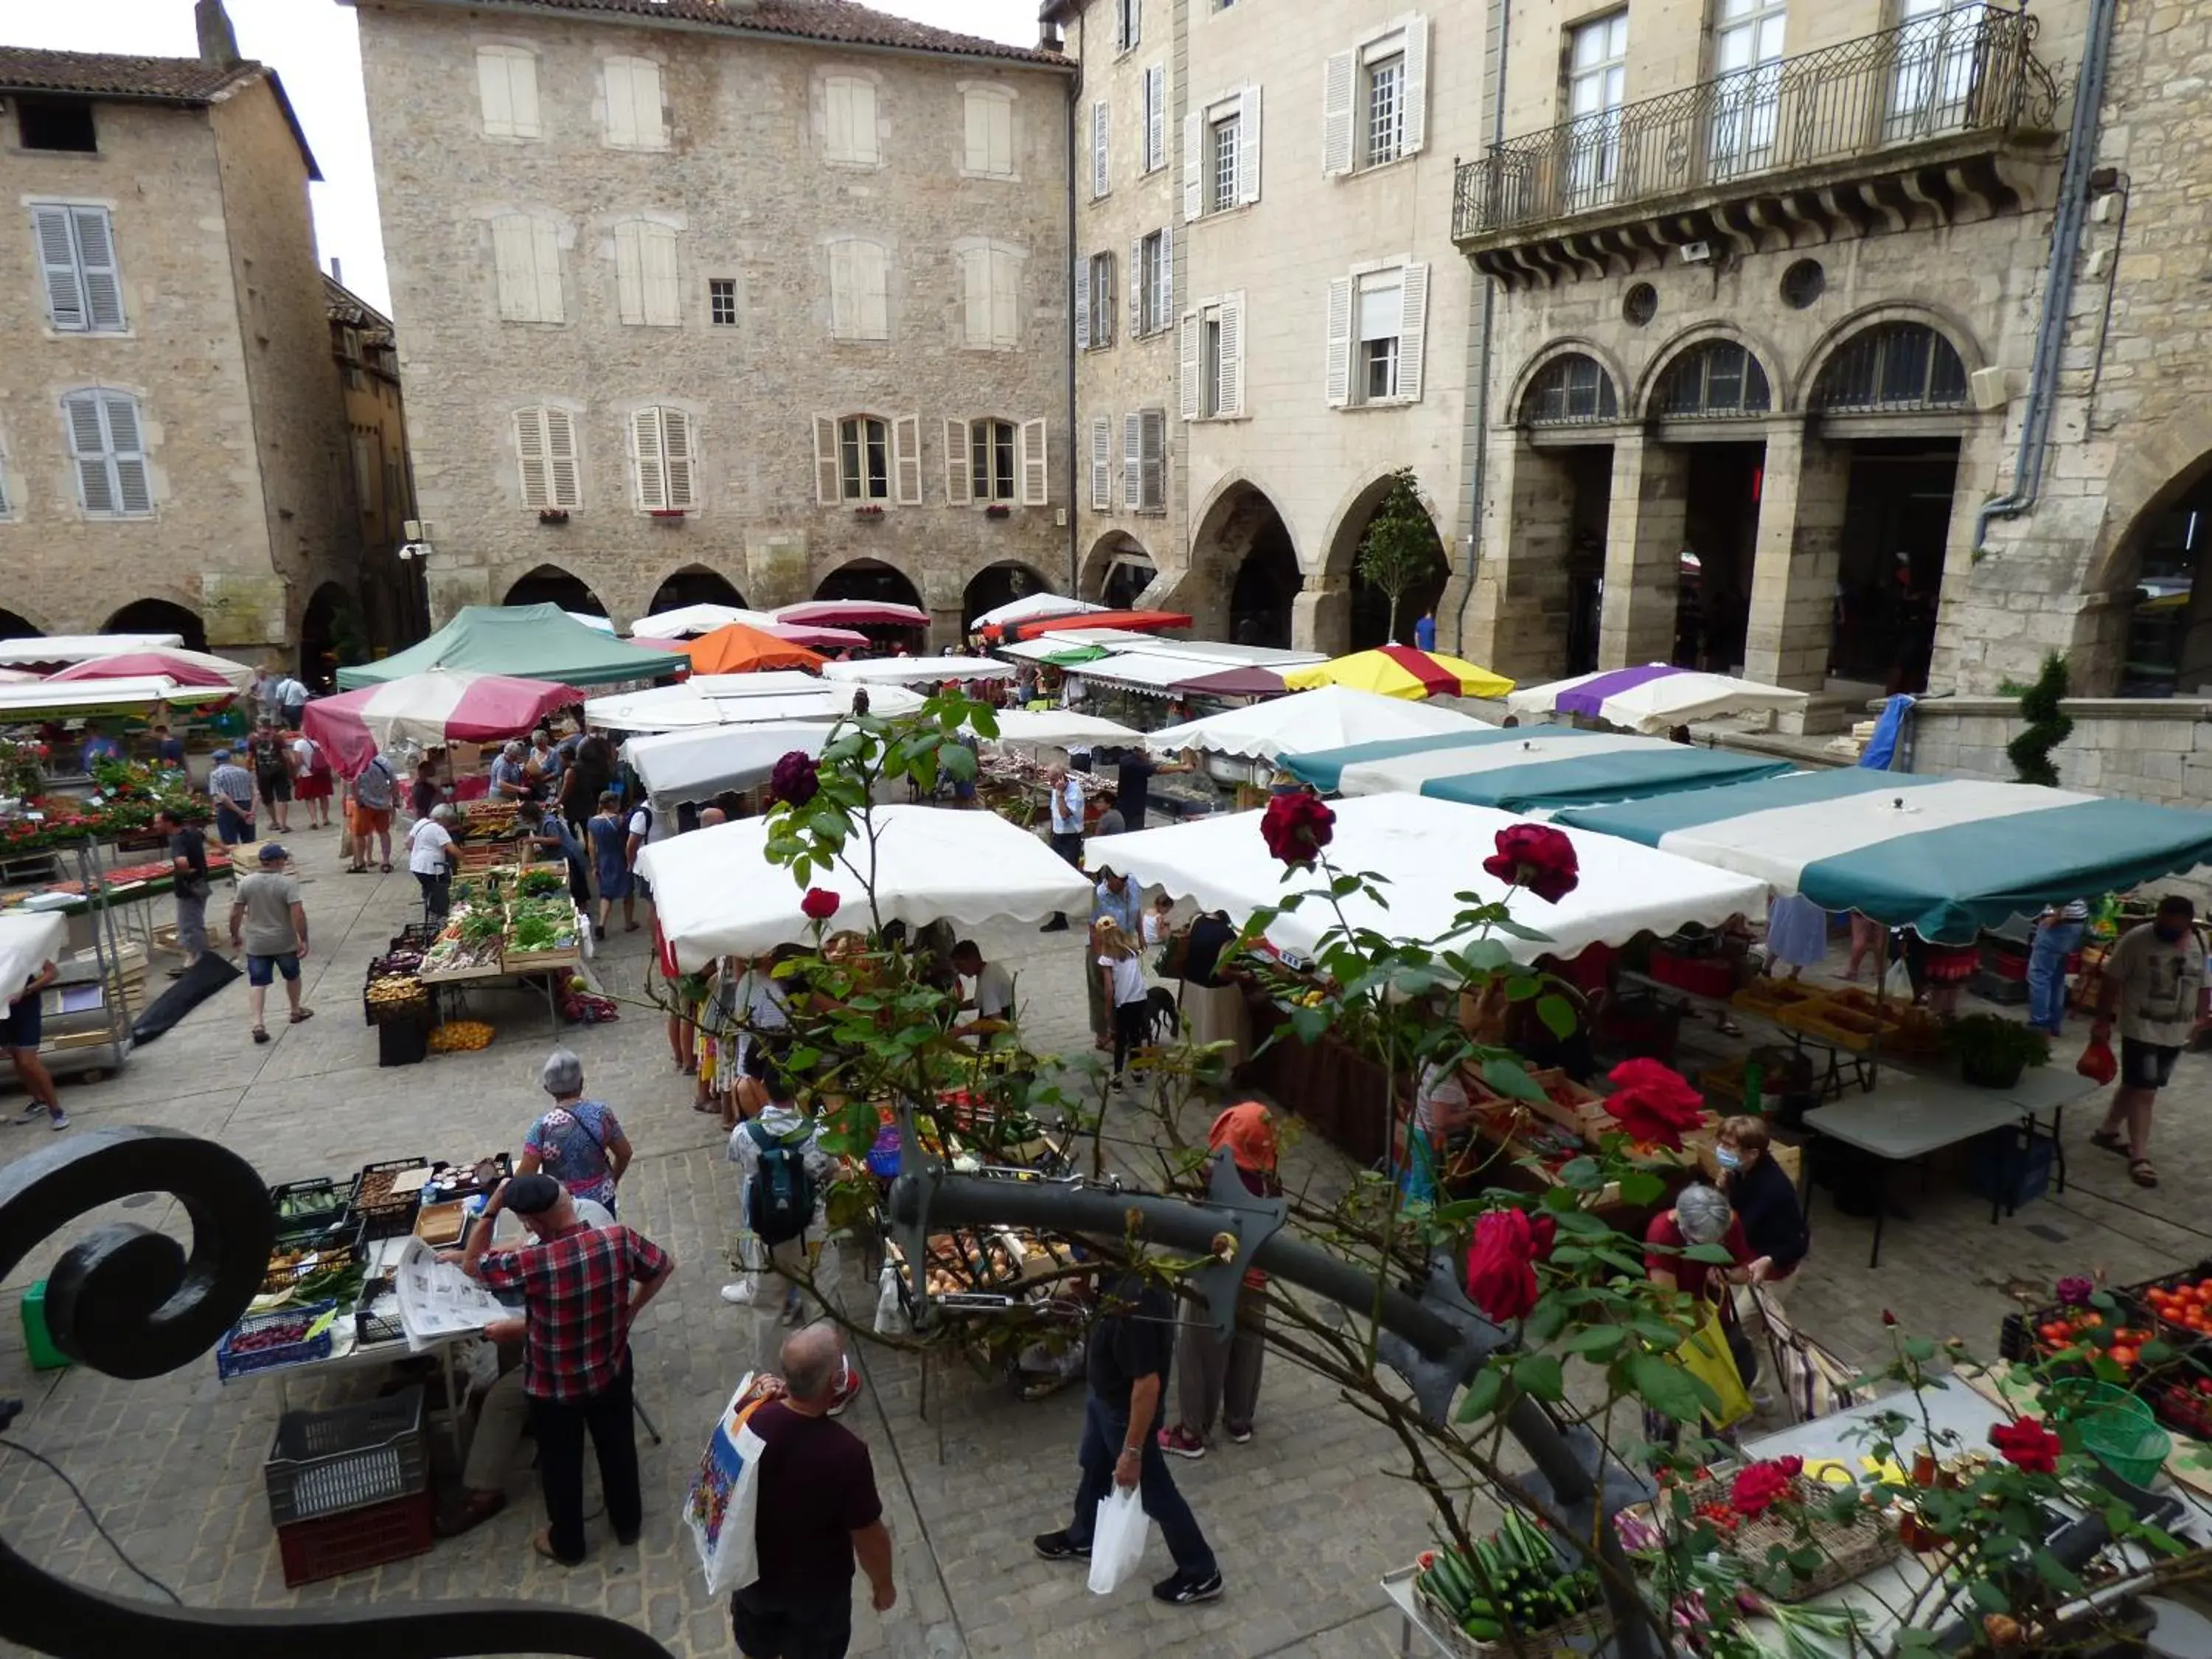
x=1513 y=1580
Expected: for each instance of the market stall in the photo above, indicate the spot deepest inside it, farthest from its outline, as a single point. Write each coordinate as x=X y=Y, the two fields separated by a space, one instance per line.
x=195 y=668
x=1037 y=607
x=930 y=671
x=735 y=648
x=435 y=709
x=1653 y=699
x=716 y=894
x=1126 y=621
x=139 y=694
x=1056 y=728
x=691 y=620
x=1525 y=768
x=692 y=766
x=1332 y=717
x=86 y=1012
x=37 y=649
x=1400 y=671
x=739 y=699
x=529 y=641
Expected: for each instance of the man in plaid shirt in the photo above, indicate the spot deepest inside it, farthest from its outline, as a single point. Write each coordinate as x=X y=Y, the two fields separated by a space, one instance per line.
x=576 y=1285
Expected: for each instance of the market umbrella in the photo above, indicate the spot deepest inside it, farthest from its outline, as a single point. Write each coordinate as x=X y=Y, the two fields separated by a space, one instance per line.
x=735 y=648
x=852 y=613
x=1056 y=728
x=716 y=894
x=690 y=621
x=173 y=662
x=1400 y=671
x=1032 y=609
x=1129 y=622
x=1334 y=717
x=1653 y=699
x=529 y=641
x=430 y=711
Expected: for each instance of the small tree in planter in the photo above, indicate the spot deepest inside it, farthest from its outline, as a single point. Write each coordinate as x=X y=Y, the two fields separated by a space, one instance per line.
x=1399 y=550
x=2047 y=726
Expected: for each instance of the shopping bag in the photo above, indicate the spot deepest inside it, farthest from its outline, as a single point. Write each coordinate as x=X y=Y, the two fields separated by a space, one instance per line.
x=750 y=1259
x=1704 y=1354
x=1897 y=983
x=1812 y=1379
x=2097 y=1063
x=725 y=1498
x=891 y=1312
x=1117 y=1542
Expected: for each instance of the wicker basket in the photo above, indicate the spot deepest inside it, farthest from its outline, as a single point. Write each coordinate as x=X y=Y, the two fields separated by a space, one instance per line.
x=1847 y=1552
x=1594 y=1623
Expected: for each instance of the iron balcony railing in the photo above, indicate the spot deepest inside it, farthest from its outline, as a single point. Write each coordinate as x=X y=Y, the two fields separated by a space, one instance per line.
x=1968 y=70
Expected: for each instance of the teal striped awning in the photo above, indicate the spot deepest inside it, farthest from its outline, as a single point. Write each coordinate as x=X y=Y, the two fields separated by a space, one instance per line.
x=1529 y=769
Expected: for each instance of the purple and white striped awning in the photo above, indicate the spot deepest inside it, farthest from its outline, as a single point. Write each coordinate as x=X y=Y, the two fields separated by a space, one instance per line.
x=1653 y=699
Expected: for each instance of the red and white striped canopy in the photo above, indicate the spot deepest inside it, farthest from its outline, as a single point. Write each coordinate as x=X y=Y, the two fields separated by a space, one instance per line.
x=172 y=662
x=852 y=613
x=428 y=711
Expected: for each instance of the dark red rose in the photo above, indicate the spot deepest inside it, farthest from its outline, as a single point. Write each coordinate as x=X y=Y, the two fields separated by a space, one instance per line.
x=2026 y=1445
x=1501 y=1263
x=795 y=780
x=819 y=904
x=1654 y=1103
x=1760 y=1485
x=1537 y=857
x=1297 y=827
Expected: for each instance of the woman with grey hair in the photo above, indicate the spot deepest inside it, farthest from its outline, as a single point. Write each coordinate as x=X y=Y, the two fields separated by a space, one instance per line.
x=578 y=1142
x=1702 y=1215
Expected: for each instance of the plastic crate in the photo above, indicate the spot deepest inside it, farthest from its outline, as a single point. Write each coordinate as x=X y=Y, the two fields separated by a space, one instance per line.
x=326 y=1463
x=2182 y=1405
x=369 y=1328
x=342 y=1246
x=38 y=1339
x=393 y=1215
x=322 y=1209
x=2180 y=1336
x=231 y=1362
x=357 y=1539
x=405 y=1041
x=2010 y=1167
x=469 y=1185
x=414 y=936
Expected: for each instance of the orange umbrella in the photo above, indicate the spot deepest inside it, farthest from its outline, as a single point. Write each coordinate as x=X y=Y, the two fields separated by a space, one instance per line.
x=735 y=648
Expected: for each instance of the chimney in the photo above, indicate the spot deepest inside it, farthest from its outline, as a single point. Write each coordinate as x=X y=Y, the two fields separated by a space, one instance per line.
x=337 y=271
x=218 y=44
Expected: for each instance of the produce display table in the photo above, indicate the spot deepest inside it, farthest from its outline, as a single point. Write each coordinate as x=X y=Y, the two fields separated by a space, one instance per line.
x=1859 y=1065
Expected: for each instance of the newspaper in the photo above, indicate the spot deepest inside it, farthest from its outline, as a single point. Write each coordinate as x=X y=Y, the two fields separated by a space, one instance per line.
x=439 y=1302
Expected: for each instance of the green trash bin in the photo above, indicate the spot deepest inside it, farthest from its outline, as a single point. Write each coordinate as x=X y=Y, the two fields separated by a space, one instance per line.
x=45 y=1356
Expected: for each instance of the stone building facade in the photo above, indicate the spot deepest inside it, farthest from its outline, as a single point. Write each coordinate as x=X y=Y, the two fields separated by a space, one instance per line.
x=171 y=432
x=697 y=300
x=390 y=613
x=1269 y=191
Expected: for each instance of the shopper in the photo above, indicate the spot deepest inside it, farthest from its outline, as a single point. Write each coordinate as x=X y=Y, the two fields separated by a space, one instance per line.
x=1133 y=782
x=585 y=778
x=549 y=840
x=1121 y=984
x=1128 y=1357
x=426 y=792
x=272 y=774
x=21 y=1033
x=168 y=751
x=430 y=858
x=1064 y=800
x=230 y=791
x=510 y=774
x=291 y=702
x=818 y=1514
x=1116 y=900
x=1220 y=1374
x=1700 y=1215
x=641 y=836
x=993 y=996
x=2154 y=981
x=783 y=1176
x=579 y=1305
x=2057 y=935
x=1209 y=993
x=311 y=780
x=610 y=862
x=579 y=1142
x=268 y=921
x=189 y=884
x=1763 y=1196
x=374 y=792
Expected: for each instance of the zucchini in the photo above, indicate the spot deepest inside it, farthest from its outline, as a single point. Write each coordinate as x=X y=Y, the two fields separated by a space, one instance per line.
x=1482 y=1629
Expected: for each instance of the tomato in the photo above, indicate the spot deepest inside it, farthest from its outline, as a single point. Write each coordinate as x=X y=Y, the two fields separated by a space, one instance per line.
x=2123 y=1356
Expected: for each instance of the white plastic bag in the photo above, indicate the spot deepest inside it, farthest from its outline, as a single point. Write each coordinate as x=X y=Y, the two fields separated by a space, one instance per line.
x=1117 y=1542
x=890 y=1314
x=724 y=1502
x=1896 y=983
x=752 y=1257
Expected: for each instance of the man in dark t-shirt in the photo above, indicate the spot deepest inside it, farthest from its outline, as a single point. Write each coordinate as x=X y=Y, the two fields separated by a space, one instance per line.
x=1130 y=1349
x=1133 y=784
x=818 y=1513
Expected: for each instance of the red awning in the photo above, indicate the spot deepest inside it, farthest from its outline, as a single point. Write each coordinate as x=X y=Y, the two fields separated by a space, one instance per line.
x=1234 y=682
x=1133 y=621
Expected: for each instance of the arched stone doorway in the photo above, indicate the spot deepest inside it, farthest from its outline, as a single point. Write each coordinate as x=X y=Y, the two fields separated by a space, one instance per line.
x=331 y=637
x=1117 y=572
x=694 y=585
x=2161 y=612
x=550 y=584
x=868 y=579
x=12 y=627
x=1353 y=613
x=159 y=616
x=997 y=585
x=1243 y=546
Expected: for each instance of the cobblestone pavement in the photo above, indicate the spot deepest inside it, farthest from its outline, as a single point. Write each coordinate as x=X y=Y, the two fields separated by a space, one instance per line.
x=1305 y=1518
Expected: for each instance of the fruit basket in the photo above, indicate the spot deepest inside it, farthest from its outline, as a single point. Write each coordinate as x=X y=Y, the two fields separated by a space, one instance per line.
x=286 y=1336
x=1765 y=996
x=1848 y=1550
x=1837 y=1027
x=314 y=1268
x=393 y=997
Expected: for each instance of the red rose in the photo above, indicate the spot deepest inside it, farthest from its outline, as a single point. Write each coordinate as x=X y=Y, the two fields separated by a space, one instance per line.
x=1762 y=1484
x=795 y=779
x=1501 y=1264
x=1652 y=1101
x=819 y=904
x=2026 y=1445
x=1537 y=857
x=1297 y=827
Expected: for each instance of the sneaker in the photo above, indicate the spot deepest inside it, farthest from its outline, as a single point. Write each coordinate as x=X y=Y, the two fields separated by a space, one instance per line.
x=1179 y=1442
x=1240 y=1435
x=794 y=1311
x=847 y=1390
x=61 y=1120
x=739 y=1294
x=1182 y=1590
x=1059 y=1546
x=34 y=1108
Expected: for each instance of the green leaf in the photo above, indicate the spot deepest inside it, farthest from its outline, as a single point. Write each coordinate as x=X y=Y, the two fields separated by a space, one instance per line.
x=2102 y=1300
x=1539 y=1374
x=1483 y=1393
x=1988 y=1597
x=2054 y=1572
x=1546 y=1320
x=1510 y=1077
x=1558 y=1015
x=1583 y=1175
x=1309 y=1024
x=1667 y=1388
x=1919 y=1349
x=957 y=762
x=1594 y=1340
x=1640 y=1189
x=1715 y=1255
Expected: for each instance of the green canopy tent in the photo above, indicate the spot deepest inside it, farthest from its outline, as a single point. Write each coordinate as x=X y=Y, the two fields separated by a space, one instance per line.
x=527 y=642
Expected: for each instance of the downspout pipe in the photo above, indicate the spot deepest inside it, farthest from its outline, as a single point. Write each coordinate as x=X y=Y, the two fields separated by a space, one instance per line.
x=1074 y=440
x=2059 y=279
x=1479 y=473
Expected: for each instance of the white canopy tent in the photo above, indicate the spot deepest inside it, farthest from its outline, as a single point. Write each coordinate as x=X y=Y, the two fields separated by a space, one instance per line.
x=686 y=620
x=703 y=701
x=30 y=698
x=698 y=765
x=1329 y=717
x=1056 y=728
x=1428 y=851
x=598 y=624
x=917 y=670
x=715 y=894
x=82 y=648
x=1028 y=610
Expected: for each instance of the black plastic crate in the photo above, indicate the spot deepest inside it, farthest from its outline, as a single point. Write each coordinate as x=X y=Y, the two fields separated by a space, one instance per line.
x=402 y=1042
x=318 y=1206
x=343 y=1246
x=392 y=1215
x=327 y=1463
x=2178 y=1336
x=414 y=936
x=372 y=1327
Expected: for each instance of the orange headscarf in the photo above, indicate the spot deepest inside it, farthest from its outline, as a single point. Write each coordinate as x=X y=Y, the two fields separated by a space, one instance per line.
x=1249 y=1131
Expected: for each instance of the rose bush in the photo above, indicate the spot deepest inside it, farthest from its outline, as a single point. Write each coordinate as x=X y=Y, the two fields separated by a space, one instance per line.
x=2026 y=1445
x=819 y=904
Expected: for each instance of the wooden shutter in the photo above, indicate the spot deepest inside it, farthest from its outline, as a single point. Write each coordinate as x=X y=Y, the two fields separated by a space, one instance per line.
x=126 y=448
x=1193 y=166
x=1036 y=476
x=978 y=115
x=1005 y=298
x=65 y=306
x=976 y=282
x=1102 y=464
x=1101 y=121
x=1339 y=81
x=630 y=271
x=1415 y=90
x=959 y=490
x=564 y=480
x=644 y=450
x=837 y=118
x=906 y=460
x=1082 y=304
x=1156 y=118
x=1190 y=364
x=1132 y=461
x=871 y=311
x=1101 y=298
x=522 y=94
x=1412 y=330
x=545 y=261
x=1248 y=146
x=103 y=284
x=679 y=456
x=1167 y=274
x=1154 y=430
x=1339 y=342
x=662 y=297
x=1138 y=322
x=530 y=456
x=843 y=294
x=826 y=487
x=1229 y=392
x=623 y=113
x=493 y=90
x=89 y=447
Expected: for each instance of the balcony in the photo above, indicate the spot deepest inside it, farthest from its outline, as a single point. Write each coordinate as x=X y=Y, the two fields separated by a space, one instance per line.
x=1948 y=118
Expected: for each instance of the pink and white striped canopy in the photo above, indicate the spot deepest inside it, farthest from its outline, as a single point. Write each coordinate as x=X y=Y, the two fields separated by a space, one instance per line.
x=428 y=711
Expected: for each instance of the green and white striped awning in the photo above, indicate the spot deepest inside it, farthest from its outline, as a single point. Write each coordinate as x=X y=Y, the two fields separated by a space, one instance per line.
x=1528 y=769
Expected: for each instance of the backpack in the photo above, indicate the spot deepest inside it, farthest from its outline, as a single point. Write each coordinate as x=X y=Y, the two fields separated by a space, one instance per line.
x=782 y=1195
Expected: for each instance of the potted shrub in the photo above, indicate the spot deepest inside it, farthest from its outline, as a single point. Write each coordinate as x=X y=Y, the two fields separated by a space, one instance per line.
x=1992 y=1051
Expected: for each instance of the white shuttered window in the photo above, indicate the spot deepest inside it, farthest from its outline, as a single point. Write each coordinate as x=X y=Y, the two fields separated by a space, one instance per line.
x=526 y=255
x=1377 y=331
x=106 y=443
x=1375 y=98
x=663 y=449
x=990 y=114
x=1037 y=474
x=1102 y=464
x=507 y=85
x=859 y=308
x=849 y=103
x=633 y=113
x=546 y=453
x=644 y=274
x=76 y=251
x=992 y=280
x=1102 y=133
x=1156 y=118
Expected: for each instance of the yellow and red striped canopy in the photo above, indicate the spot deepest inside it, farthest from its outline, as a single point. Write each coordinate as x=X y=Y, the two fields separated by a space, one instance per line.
x=1400 y=671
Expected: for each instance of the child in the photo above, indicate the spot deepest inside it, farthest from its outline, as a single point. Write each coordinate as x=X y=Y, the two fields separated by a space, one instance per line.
x=1159 y=922
x=1123 y=977
x=610 y=859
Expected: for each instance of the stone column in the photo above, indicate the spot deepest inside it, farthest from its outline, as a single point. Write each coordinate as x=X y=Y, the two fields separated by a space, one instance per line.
x=1643 y=553
x=1802 y=500
x=1321 y=616
x=1517 y=623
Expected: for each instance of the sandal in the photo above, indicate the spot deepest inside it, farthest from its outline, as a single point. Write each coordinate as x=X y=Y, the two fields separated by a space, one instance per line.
x=387 y=867
x=2109 y=1141
x=300 y=1015
x=542 y=1542
x=2141 y=1173
x=260 y=1035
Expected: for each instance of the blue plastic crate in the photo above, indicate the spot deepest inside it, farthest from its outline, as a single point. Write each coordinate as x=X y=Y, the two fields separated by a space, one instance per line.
x=2010 y=1167
x=230 y=1362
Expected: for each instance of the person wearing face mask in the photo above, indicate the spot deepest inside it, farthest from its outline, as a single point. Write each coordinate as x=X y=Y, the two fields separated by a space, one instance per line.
x=1763 y=1197
x=2154 y=981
